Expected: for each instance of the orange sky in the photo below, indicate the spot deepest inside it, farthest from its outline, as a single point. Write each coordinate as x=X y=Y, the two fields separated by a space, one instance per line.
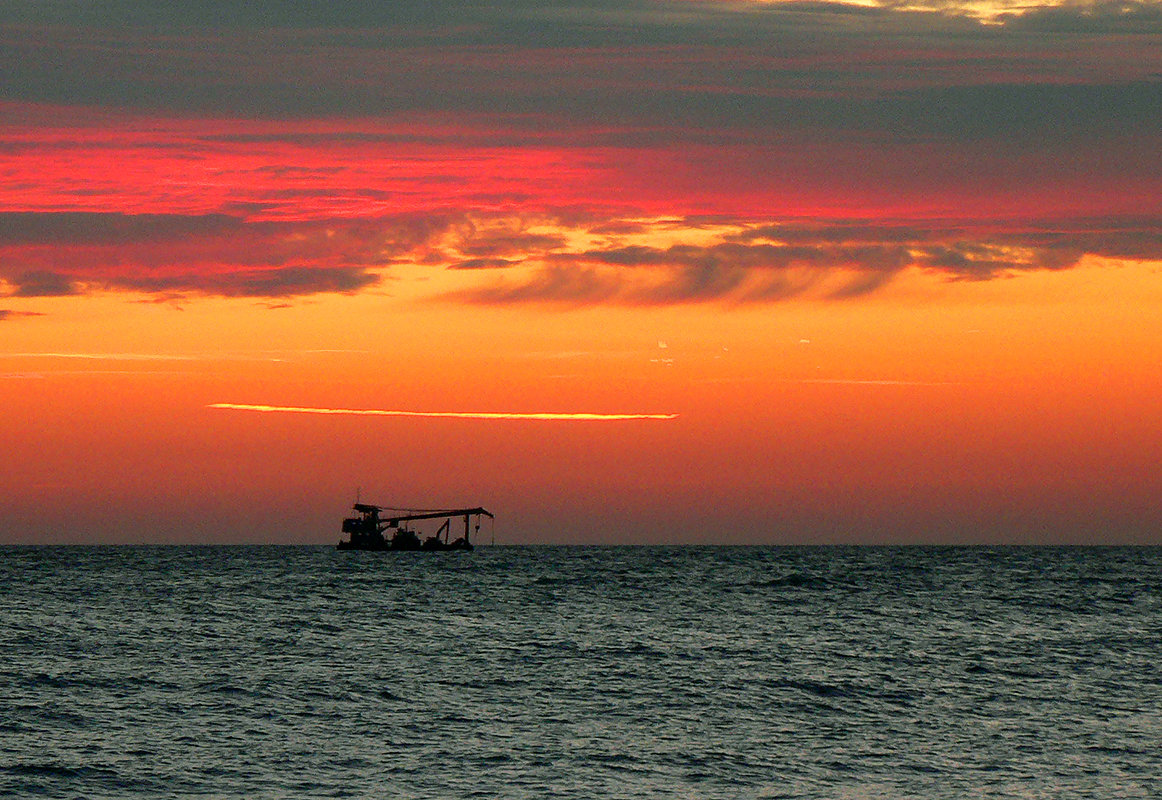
x=931 y=411
x=845 y=288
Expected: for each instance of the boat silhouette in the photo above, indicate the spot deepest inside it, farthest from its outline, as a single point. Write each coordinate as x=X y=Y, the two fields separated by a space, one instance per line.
x=385 y=528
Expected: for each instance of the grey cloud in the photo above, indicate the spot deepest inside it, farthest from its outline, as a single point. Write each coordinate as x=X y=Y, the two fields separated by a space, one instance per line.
x=1126 y=238
x=88 y=239
x=499 y=244
x=70 y=253
x=749 y=269
x=749 y=256
x=795 y=68
x=965 y=259
x=7 y=313
x=42 y=283
x=1057 y=244
x=832 y=232
x=1059 y=112
x=551 y=21
x=46 y=254
x=693 y=283
x=688 y=274
x=755 y=260
x=775 y=286
x=285 y=282
x=1116 y=16
x=1059 y=241
x=484 y=263
x=619 y=228
x=861 y=285
x=81 y=227
x=981 y=261
x=553 y=284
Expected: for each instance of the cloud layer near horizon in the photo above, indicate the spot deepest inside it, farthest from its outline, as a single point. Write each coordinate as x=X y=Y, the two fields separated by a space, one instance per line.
x=512 y=258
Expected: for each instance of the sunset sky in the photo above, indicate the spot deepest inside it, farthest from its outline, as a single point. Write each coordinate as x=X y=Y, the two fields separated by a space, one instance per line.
x=642 y=271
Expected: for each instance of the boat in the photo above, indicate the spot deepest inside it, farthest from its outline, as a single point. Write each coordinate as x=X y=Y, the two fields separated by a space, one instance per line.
x=386 y=528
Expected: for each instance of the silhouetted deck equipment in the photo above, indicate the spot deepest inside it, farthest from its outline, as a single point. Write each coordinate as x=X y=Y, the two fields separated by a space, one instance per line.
x=370 y=529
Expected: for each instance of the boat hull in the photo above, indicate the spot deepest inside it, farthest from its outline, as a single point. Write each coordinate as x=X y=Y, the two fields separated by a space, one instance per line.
x=428 y=546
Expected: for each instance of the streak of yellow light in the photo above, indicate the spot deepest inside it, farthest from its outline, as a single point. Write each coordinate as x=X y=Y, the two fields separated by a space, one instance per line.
x=376 y=412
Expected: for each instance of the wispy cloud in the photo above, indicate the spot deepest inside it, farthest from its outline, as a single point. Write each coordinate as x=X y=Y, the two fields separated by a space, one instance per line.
x=57 y=373
x=747 y=261
x=869 y=382
x=7 y=313
x=508 y=415
x=144 y=356
x=105 y=356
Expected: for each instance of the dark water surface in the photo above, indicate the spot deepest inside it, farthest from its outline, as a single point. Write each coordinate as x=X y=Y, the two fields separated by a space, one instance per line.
x=524 y=672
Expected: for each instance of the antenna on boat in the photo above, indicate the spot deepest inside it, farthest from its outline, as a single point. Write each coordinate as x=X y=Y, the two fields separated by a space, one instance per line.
x=357 y=490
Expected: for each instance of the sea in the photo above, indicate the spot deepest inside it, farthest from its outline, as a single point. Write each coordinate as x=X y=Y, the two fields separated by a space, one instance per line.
x=581 y=672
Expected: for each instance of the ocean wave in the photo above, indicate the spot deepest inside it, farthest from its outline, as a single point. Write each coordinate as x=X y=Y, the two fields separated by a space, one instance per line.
x=714 y=673
x=794 y=580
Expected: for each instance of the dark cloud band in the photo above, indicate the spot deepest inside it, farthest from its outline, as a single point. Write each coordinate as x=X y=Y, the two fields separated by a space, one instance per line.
x=737 y=259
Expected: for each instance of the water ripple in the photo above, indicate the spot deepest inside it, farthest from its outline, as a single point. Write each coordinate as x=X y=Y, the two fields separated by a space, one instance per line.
x=580 y=672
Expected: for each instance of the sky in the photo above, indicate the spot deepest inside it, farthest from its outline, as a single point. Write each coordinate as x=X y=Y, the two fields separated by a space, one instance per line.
x=646 y=271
